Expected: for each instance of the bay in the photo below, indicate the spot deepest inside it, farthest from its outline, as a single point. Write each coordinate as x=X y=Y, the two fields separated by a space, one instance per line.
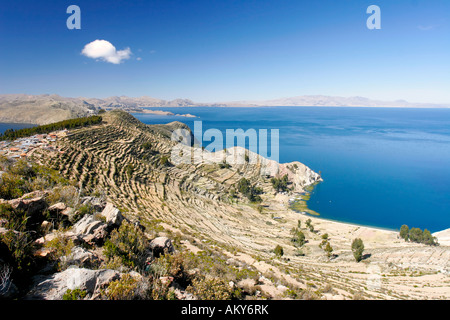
x=382 y=167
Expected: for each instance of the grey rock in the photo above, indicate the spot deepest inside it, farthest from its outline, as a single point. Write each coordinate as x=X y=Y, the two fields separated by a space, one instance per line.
x=90 y=230
x=53 y=287
x=57 y=207
x=112 y=215
x=81 y=257
x=30 y=206
x=160 y=245
x=97 y=203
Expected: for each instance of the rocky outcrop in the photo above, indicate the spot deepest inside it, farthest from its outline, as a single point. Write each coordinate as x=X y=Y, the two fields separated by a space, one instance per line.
x=97 y=203
x=161 y=245
x=90 y=230
x=55 y=286
x=30 y=206
x=82 y=258
x=113 y=216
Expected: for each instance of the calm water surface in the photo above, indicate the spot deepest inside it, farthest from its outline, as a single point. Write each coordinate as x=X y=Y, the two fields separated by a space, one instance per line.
x=381 y=167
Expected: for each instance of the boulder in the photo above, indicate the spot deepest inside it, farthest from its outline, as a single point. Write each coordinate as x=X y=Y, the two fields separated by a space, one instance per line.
x=160 y=245
x=81 y=257
x=113 y=216
x=86 y=225
x=53 y=287
x=30 y=206
x=57 y=207
x=97 y=203
x=90 y=230
x=46 y=226
x=68 y=212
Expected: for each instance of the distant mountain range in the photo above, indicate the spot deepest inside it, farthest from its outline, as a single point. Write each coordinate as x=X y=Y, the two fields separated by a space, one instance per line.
x=42 y=109
x=330 y=101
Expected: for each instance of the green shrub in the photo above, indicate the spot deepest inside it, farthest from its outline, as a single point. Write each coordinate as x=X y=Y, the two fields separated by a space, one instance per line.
x=171 y=265
x=298 y=237
x=309 y=225
x=328 y=249
x=17 y=239
x=279 y=252
x=66 y=194
x=82 y=211
x=209 y=288
x=129 y=243
x=59 y=247
x=11 y=186
x=164 y=161
x=126 y=288
x=76 y=294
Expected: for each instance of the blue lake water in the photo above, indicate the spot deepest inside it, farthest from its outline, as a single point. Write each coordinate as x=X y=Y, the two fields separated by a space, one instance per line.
x=15 y=126
x=382 y=167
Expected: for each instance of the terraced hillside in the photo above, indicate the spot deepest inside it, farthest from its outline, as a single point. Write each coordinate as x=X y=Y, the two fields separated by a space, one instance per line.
x=130 y=163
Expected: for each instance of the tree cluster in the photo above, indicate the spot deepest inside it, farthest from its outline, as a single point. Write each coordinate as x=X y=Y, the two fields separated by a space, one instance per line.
x=417 y=235
x=250 y=191
x=280 y=184
x=12 y=134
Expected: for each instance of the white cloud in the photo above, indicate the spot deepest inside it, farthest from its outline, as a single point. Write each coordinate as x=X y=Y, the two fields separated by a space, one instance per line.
x=104 y=50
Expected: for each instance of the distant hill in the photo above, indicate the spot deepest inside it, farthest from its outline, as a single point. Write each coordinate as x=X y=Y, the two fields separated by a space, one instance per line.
x=330 y=101
x=42 y=109
x=45 y=109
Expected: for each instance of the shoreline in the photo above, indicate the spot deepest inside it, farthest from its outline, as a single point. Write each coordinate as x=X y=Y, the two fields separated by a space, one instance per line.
x=351 y=224
x=166 y=113
x=363 y=225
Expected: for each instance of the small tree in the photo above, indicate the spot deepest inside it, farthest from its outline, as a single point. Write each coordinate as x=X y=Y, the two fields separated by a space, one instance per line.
x=164 y=161
x=298 y=237
x=328 y=249
x=428 y=239
x=309 y=225
x=404 y=232
x=279 y=252
x=416 y=235
x=358 y=249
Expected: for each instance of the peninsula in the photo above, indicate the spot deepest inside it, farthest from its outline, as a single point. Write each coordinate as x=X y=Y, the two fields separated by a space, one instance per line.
x=206 y=215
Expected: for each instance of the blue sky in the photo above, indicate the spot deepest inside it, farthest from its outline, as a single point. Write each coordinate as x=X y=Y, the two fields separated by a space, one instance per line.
x=229 y=50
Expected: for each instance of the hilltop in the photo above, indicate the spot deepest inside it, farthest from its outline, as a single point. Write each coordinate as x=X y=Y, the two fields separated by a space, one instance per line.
x=130 y=162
